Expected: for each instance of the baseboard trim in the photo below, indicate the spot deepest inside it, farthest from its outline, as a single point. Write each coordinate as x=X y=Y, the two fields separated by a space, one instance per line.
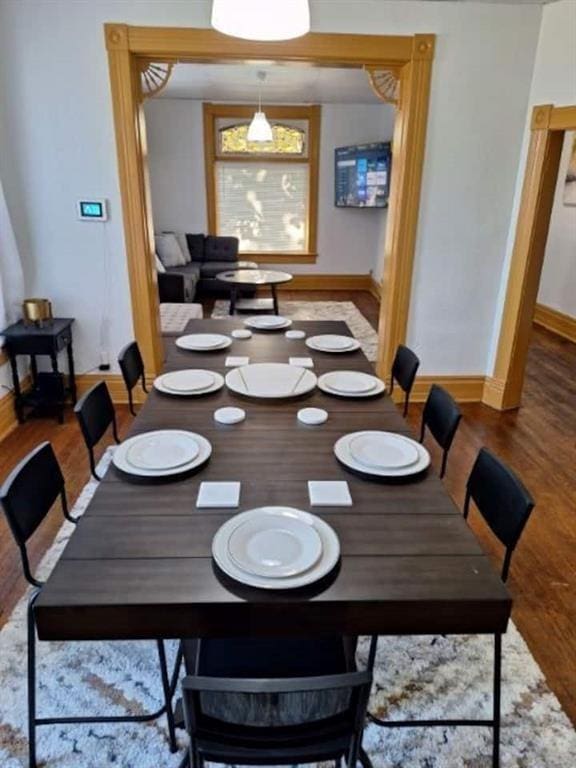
x=115 y=384
x=320 y=282
x=8 y=420
x=464 y=389
x=556 y=322
x=375 y=288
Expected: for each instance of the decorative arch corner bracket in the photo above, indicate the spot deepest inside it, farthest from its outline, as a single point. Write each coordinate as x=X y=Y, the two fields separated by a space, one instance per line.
x=385 y=83
x=154 y=76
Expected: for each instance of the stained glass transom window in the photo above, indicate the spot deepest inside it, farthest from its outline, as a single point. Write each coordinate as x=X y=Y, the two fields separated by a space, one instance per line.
x=287 y=140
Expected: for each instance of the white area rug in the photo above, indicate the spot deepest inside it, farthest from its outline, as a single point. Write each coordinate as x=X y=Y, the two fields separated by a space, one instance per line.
x=323 y=310
x=415 y=677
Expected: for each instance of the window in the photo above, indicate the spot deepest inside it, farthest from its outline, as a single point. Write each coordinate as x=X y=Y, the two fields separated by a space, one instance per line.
x=263 y=194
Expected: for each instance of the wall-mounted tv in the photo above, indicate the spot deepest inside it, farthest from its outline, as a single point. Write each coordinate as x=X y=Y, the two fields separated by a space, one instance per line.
x=362 y=175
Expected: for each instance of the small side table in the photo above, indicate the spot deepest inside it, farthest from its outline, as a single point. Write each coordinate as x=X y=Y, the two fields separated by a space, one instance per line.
x=49 y=339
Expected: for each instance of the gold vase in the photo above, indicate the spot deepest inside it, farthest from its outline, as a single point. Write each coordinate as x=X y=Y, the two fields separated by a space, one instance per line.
x=36 y=311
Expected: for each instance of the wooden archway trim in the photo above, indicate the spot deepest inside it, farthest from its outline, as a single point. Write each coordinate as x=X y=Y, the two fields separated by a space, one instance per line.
x=410 y=56
x=503 y=390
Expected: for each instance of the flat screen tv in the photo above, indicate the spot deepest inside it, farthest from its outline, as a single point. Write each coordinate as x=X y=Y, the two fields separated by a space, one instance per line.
x=362 y=175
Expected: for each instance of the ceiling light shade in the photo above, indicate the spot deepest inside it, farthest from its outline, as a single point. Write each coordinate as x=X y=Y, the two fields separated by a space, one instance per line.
x=259 y=129
x=261 y=19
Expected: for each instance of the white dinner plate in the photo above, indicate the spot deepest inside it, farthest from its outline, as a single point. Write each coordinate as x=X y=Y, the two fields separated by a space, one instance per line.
x=203 y=342
x=350 y=382
x=271 y=380
x=383 y=450
x=268 y=322
x=323 y=566
x=168 y=388
x=332 y=343
x=122 y=461
x=275 y=543
x=191 y=380
x=161 y=450
x=344 y=455
x=326 y=384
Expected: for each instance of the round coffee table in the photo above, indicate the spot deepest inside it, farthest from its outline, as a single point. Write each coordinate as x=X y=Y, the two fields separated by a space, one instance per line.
x=252 y=278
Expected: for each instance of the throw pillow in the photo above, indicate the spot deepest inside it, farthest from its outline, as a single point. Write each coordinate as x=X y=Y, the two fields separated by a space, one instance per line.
x=169 y=251
x=181 y=237
x=159 y=266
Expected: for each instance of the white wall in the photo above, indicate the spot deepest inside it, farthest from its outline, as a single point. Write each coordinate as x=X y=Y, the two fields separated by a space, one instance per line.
x=348 y=240
x=553 y=82
x=558 y=282
x=54 y=86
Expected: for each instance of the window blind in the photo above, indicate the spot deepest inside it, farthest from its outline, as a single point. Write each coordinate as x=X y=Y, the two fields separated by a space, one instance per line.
x=264 y=205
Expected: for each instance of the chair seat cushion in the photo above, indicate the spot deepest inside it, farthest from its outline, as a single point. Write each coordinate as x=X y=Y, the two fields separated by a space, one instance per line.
x=191 y=269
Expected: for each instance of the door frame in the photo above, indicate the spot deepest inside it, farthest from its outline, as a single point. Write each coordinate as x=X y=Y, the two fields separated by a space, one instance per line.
x=403 y=61
x=503 y=390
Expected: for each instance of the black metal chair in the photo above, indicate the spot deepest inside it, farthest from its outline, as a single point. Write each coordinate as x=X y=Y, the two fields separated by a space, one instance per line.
x=261 y=701
x=27 y=496
x=442 y=416
x=502 y=500
x=404 y=370
x=95 y=413
x=132 y=367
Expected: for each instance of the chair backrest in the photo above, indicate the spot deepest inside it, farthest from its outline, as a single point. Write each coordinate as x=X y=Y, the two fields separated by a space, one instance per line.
x=131 y=364
x=279 y=717
x=95 y=413
x=28 y=494
x=500 y=496
x=404 y=367
x=441 y=415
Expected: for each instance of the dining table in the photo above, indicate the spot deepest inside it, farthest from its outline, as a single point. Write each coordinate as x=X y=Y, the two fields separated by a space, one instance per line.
x=139 y=563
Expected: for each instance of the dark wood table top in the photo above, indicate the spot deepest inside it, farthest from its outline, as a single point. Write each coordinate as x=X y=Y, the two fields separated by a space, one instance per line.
x=139 y=563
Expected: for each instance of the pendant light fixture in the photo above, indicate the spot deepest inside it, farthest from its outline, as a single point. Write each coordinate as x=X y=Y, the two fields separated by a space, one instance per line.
x=260 y=129
x=266 y=20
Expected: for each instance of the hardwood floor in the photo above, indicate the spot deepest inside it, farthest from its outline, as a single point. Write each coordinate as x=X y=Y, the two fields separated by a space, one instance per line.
x=537 y=441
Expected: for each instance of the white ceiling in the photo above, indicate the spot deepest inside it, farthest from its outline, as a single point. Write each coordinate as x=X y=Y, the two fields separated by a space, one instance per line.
x=283 y=84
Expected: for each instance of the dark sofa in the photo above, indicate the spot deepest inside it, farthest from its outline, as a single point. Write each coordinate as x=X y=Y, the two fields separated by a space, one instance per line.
x=210 y=255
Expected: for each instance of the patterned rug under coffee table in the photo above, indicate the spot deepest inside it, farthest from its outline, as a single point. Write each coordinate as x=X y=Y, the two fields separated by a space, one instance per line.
x=324 y=310
x=415 y=677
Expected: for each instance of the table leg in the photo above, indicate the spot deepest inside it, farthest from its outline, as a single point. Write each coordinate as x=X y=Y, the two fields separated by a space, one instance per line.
x=496 y=701
x=17 y=392
x=71 y=372
x=34 y=370
x=232 y=300
x=274 y=298
x=54 y=361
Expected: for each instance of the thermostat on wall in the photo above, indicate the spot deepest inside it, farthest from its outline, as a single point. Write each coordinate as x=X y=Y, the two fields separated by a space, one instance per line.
x=92 y=210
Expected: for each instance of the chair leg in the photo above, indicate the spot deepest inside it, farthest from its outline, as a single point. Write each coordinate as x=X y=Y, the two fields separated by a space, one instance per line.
x=115 y=428
x=143 y=383
x=167 y=696
x=496 y=702
x=186 y=761
x=406 y=399
x=93 y=465
x=466 y=509
x=506 y=566
x=364 y=759
x=130 y=404
x=422 y=430
x=31 y=686
x=65 y=511
x=444 y=462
